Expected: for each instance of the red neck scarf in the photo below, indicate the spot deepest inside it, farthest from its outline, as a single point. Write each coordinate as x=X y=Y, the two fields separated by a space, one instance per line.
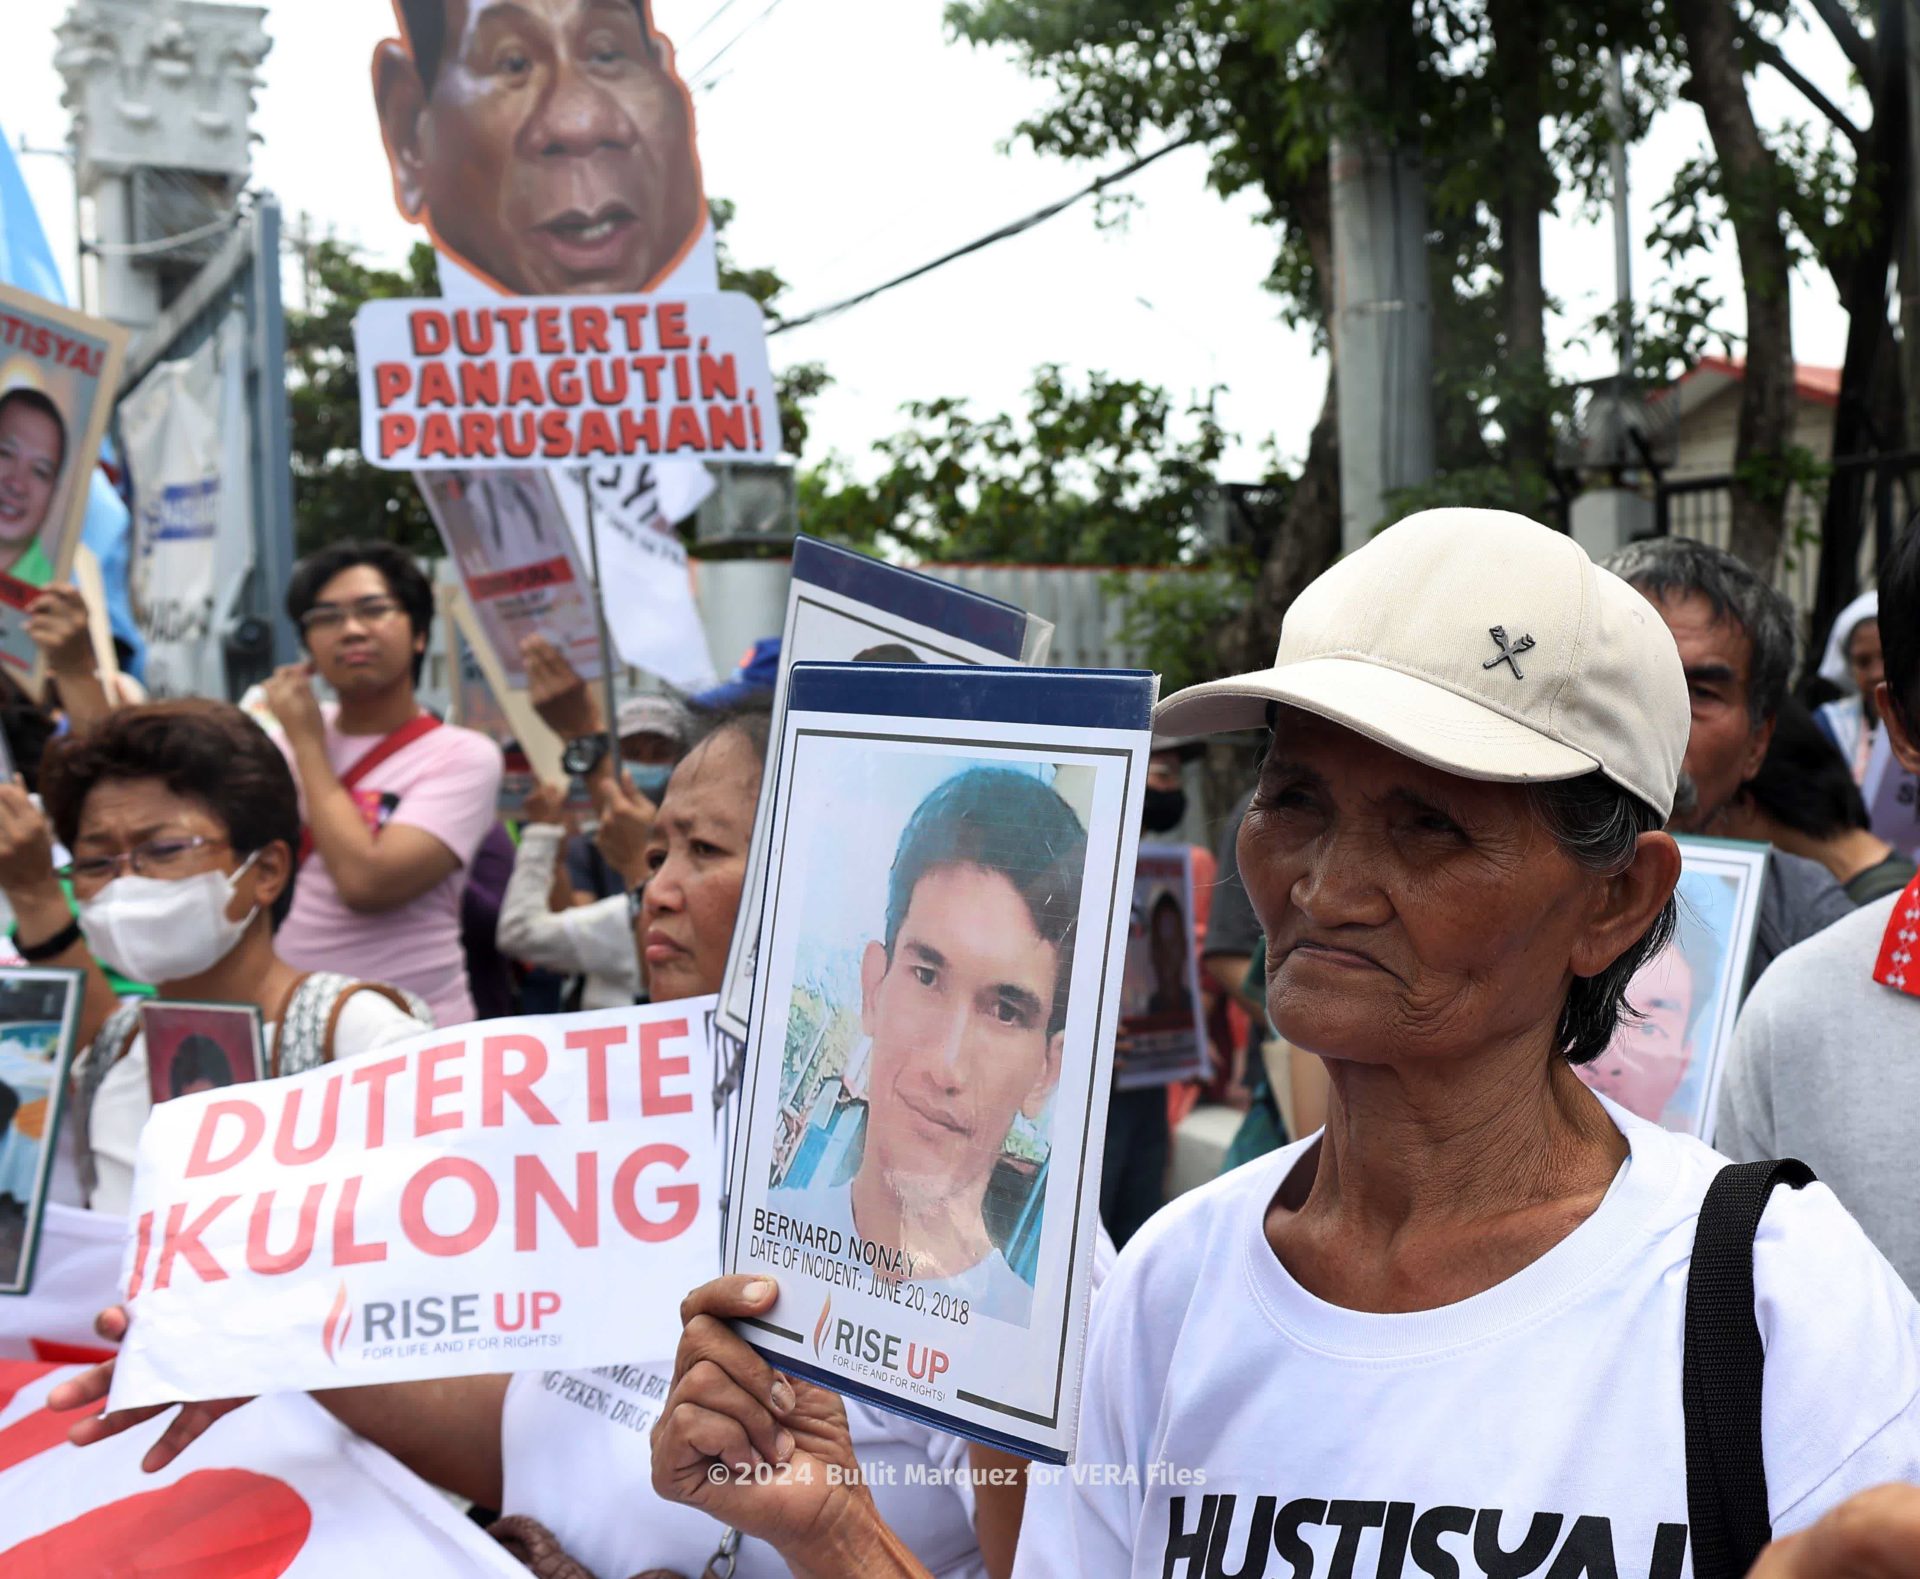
x=1899 y=964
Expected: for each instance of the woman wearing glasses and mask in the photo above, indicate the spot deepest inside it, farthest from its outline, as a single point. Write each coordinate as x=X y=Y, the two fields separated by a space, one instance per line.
x=396 y=803
x=182 y=821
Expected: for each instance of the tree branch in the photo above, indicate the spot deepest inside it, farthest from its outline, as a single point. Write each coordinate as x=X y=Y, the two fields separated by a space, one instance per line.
x=1769 y=53
x=1840 y=25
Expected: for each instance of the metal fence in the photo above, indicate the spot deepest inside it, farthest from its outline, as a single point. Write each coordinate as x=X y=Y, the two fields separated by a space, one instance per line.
x=1701 y=508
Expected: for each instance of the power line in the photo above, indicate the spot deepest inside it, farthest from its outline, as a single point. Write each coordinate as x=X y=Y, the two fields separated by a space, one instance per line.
x=1004 y=233
x=724 y=7
x=724 y=48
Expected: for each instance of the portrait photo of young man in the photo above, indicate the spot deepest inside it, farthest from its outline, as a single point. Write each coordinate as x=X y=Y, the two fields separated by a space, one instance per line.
x=962 y=988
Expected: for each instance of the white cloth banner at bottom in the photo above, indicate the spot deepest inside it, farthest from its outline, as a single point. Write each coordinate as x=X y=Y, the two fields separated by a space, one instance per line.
x=76 y=1275
x=508 y=1195
x=278 y=1488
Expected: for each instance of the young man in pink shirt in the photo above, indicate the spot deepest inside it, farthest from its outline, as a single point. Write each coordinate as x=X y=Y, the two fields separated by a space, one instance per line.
x=395 y=803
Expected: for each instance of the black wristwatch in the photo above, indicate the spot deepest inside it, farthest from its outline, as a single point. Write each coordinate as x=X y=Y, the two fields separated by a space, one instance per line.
x=584 y=753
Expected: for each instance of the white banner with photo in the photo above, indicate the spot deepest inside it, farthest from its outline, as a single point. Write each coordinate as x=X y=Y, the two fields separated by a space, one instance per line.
x=185 y=430
x=277 y=1488
x=508 y=1195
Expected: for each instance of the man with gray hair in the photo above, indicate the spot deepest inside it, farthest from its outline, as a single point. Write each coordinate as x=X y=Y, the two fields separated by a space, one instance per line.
x=1735 y=635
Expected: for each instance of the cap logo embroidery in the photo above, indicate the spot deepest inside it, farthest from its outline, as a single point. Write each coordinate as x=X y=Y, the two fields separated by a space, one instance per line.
x=1509 y=651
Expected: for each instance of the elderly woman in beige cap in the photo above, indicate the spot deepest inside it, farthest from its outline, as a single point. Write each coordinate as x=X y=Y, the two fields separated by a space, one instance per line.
x=1449 y=1334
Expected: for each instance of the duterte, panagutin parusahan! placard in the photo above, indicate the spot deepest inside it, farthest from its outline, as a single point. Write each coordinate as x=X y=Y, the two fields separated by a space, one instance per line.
x=926 y=1083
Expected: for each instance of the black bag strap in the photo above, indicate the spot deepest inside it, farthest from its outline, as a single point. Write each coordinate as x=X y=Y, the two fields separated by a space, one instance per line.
x=1722 y=1369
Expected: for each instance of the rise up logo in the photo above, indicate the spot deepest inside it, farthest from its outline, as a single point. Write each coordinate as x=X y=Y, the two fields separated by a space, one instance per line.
x=338 y=1323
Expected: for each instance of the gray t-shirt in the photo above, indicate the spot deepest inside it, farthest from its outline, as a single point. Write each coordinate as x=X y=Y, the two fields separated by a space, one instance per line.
x=1825 y=1066
x=1232 y=927
x=1798 y=899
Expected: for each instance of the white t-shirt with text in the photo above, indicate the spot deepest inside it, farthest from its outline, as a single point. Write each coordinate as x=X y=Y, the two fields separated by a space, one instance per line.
x=1235 y=1424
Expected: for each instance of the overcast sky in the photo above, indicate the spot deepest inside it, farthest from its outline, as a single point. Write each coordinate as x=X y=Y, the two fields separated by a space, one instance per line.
x=857 y=142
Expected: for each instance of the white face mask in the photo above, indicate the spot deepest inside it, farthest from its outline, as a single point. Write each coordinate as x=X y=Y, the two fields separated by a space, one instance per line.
x=155 y=930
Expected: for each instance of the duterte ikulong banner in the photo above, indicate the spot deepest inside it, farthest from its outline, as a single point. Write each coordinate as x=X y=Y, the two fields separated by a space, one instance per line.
x=565 y=381
x=496 y=1197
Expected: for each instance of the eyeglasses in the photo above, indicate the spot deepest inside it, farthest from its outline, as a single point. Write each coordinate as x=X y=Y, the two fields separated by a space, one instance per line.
x=155 y=858
x=331 y=616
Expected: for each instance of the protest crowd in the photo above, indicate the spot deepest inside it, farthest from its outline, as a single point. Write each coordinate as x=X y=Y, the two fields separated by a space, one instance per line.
x=601 y=1120
x=1451 y=901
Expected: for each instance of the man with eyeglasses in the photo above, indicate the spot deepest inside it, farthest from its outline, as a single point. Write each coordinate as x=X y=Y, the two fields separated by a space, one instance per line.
x=395 y=803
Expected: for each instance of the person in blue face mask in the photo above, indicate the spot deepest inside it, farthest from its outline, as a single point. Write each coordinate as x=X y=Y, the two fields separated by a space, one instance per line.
x=566 y=907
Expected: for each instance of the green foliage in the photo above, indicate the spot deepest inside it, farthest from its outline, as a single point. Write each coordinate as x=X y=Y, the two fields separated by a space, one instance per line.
x=336 y=493
x=1105 y=473
x=1168 y=623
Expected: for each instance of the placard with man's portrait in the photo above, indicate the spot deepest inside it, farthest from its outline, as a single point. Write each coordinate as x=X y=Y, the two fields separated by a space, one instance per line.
x=1163 y=1028
x=39 y=1020
x=195 y=1047
x=844 y=607
x=926 y=1080
x=59 y=374
x=1664 y=1062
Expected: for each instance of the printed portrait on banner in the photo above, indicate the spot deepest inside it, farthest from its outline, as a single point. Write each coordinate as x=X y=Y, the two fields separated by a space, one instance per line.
x=546 y=145
x=59 y=372
x=1663 y=1064
x=925 y=1026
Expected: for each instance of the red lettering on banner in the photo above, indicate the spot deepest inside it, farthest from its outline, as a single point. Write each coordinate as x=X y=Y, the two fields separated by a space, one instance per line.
x=522 y=578
x=347 y=1250
x=590 y=329
x=517 y=435
x=391 y=380
x=474 y=330
x=514 y=321
x=607 y=382
x=578 y=1219
x=479 y=383
x=563 y=382
x=523 y=385
x=268 y=1262
x=683 y=431
x=436 y=386
x=719 y=378
x=727 y=427
x=476 y=434
x=182 y=1239
x=639 y=432
x=595 y=1041
x=654 y=1069
x=596 y=435
x=650 y=368
x=684 y=1199
x=436 y=437
x=413 y=1207
x=285 y=1151
x=670 y=324
x=431 y=335
x=682 y=378
x=556 y=438
x=432 y=1085
x=496 y=1085
x=633 y=318
x=548 y=334
x=142 y=1244
x=201 y=1163
x=397 y=432
x=375 y=1077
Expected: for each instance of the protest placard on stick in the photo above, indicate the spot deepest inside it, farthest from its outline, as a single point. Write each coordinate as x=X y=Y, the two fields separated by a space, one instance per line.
x=844 y=607
x=926 y=1078
x=565 y=381
x=498 y=1196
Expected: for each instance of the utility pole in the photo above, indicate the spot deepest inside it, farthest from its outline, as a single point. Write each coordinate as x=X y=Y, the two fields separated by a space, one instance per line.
x=1383 y=313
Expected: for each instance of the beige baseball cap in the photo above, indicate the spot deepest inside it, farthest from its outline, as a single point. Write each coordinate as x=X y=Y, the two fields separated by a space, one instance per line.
x=1482 y=644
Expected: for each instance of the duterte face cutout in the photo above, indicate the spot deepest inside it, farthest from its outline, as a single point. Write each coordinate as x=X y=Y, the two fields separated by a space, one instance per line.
x=547 y=145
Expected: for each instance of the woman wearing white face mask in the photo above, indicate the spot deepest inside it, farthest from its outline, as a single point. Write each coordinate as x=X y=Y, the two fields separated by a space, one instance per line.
x=182 y=819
